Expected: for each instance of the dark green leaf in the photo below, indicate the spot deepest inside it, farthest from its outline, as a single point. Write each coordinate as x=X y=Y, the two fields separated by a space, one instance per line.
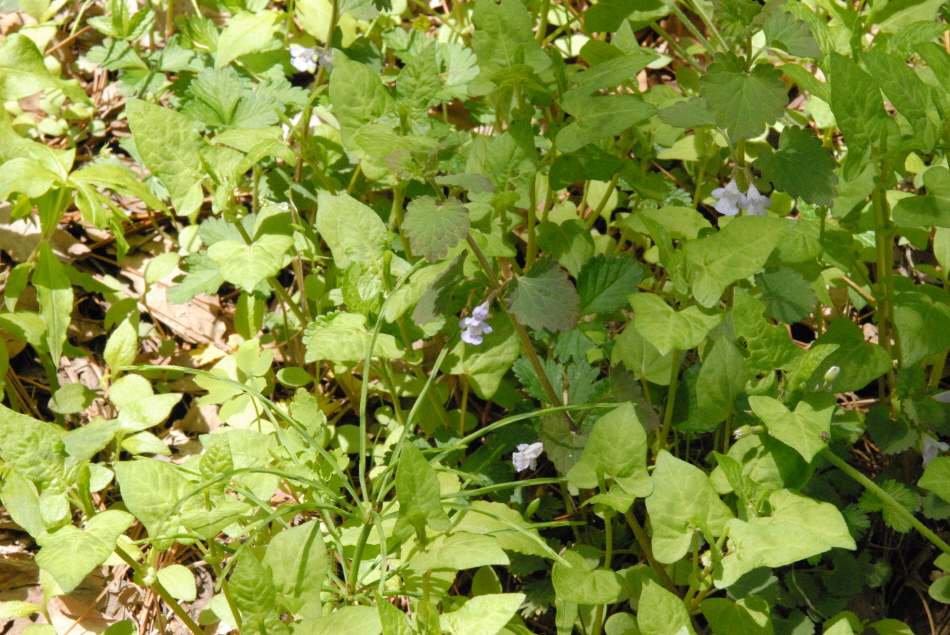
x=788 y=297
x=570 y=243
x=590 y=163
x=688 y=114
x=605 y=282
x=596 y=117
x=608 y=16
x=438 y=296
x=433 y=228
x=908 y=93
x=801 y=167
x=788 y=33
x=858 y=108
x=544 y=298
x=744 y=101
x=417 y=490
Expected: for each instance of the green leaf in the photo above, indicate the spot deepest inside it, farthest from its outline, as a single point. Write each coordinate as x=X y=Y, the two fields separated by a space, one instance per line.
x=220 y=99
x=802 y=429
x=930 y=210
x=801 y=167
x=179 y=581
x=544 y=298
x=15 y=609
x=744 y=102
x=798 y=528
x=923 y=324
x=609 y=16
x=590 y=163
x=297 y=559
x=769 y=346
x=392 y=620
x=248 y=265
x=169 y=147
x=596 y=117
x=68 y=553
x=417 y=490
x=23 y=73
x=903 y=495
x=485 y=365
x=570 y=243
x=437 y=298
x=347 y=620
x=578 y=582
x=150 y=490
x=722 y=377
x=616 y=449
x=690 y=113
x=55 y=295
x=605 y=282
x=247 y=32
x=459 y=551
x=33 y=448
x=749 y=616
x=509 y=160
x=736 y=252
x=683 y=499
x=503 y=38
x=122 y=345
x=936 y=477
x=858 y=108
x=342 y=337
x=253 y=592
x=859 y=362
x=482 y=615
x=353 y=231
x=640 y=356
x=670 y=330
x=358 y=96
x=908 y=93
x=433 y=229
x=786 y=32
x=503 y=523
x=661 y=612
x=787 y=296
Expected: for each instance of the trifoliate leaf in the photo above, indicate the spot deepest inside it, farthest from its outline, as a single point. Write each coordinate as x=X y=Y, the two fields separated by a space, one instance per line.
x=432 y=228
x=801 y=167
x=899 y=492
x=604 y=283
x=688 y=114
x=788 y=297
x=744 y=101
x=544 y=298
x=436 y=299
x=786 y=32
x=248 y=265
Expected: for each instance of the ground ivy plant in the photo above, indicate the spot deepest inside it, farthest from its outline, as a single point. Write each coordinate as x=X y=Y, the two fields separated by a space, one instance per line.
x=628 y=317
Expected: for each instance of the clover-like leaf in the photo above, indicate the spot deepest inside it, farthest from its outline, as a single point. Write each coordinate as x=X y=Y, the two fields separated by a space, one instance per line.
x=248 y=265
x=801 y=167
x=744 y=101
x=545 y=299
x=435 y=228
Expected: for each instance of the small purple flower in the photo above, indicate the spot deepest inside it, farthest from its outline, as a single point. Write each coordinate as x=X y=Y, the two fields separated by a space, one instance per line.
x=475 y=325
x=730 y=199
x=303 y=59
x=757 y=202
x=526 y=458
x=930 y=448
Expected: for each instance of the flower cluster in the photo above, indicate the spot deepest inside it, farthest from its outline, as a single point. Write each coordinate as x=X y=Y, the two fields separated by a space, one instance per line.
x=730 y=200
x=526 y=458
x=475 y=326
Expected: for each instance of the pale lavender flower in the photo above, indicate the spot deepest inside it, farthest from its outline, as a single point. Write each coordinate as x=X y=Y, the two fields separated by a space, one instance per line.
x=526 y=458
x=730 y=199
x=303 y=59
x=475 y=325
x=930 y=448
x=756 y=202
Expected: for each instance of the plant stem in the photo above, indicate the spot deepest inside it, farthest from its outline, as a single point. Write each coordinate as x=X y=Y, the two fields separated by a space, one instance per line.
x=692 y=29
x=644 y=541
x=164 y=594
x=886 y=498
x=670 y=401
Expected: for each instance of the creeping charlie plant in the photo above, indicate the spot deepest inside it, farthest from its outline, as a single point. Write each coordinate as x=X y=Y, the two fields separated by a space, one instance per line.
x=239 y=237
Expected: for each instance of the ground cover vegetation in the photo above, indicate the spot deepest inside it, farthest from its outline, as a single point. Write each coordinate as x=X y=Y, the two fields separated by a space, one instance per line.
x=384 y=317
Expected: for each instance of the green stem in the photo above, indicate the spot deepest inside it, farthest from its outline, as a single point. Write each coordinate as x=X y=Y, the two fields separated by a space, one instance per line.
x=698 y=10
x=644 y=541
x=164 y=594
x=542 y=19
x=886 y=498
x=595 y=214
x=676 y=46
x=358 y=557
x=692 y=29
x=937 y=373
x=396 y=217
x=883 y=236
x=670 y=401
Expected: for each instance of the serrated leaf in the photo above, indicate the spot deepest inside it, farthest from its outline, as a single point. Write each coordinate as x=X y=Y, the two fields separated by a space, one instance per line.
x=342 y=337
x=769 y=346
x=503 y=38
x=786 y=32
x=858 y=108
x=788 y=297
x=668 y=329
x=544 y=298
x=433 y=228
x=744 y=101
x=801 y=167
x=803 y=429
x=906 y=498
x=605 y=282
x=909 y=94
x=570 y=243
x=248 y=265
